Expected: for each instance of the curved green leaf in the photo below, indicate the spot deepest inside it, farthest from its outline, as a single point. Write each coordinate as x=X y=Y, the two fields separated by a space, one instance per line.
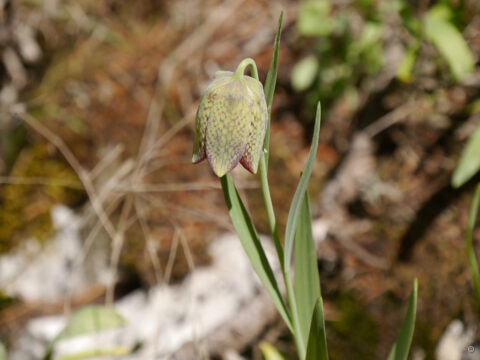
x=469 y=163
x=401 y=346
x=296 y=204
x=449 y=42
x=251 y=243
x=271 y=81
x=290 y=229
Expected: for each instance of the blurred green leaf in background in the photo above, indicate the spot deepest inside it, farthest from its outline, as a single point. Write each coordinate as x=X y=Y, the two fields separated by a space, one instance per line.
x=3 y=352
x=449 y=41
x=469 y=163
x=270 y=352
x=91 y=319
x=313 y=19
x=472 y=260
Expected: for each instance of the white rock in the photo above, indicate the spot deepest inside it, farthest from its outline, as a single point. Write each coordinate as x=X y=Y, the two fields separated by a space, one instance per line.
x=167 y=317
x=454 y=341
x=45 y=273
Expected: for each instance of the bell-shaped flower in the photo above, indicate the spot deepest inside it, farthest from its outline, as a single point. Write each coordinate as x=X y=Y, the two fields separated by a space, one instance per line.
x=231 y=122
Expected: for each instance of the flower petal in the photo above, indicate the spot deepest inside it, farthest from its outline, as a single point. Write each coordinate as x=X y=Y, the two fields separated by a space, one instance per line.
x=200 y=130
x=259 y=118
x=201 y=120
x=228 y=126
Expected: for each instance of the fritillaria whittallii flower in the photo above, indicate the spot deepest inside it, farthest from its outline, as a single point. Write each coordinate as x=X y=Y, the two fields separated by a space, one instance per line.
x=231 y=122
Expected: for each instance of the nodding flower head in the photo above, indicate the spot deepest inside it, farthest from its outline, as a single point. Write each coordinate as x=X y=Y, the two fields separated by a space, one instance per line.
x=231 y=122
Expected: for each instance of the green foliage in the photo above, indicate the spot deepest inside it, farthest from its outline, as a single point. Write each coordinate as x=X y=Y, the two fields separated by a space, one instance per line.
x=251 y=243
x=306 y=279
x=291 y=227
x=469 y=163
x=3 y=352
x=270 y=352
x=472 y=260
x=298 y=197
x=314 y=20
x=401 y=347
x=347 y=53
x=449 y=41
x=304 y=314
x=317 y=340
x=304 y=72
x=342 y=55
x=405 y=70
x=89 y=320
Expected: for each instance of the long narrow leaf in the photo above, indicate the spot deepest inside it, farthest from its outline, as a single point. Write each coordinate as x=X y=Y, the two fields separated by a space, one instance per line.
x=269 y=91
x=292 y=218
x=300 y=192
x=251 y=243
x=472 y=261
x=401 y=346
x=306 y=279
x=317 y=340
x=271 y=81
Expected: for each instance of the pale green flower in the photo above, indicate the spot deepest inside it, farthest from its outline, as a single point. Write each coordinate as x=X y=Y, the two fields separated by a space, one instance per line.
x=230 y=123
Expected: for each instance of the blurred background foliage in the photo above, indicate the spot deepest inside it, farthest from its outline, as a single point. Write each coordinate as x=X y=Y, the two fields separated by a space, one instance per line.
x=403 y=74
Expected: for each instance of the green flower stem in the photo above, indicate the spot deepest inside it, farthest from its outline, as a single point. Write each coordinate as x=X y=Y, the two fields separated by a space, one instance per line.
x=263 y=171
x=273 y=226
x=241 y=68
x=270 y=212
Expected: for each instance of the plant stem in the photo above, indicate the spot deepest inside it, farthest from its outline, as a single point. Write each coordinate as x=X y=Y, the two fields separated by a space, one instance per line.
x=263 y=172
x=273 y=227
x=241 y=68
x=270 y=212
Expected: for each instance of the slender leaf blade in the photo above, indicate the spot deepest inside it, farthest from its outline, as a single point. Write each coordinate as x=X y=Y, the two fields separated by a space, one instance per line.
x=296 y=204
x=472 y=261
x=251 y=243
x=402 y=344
x=271 y=81
x=306 y=279
x=469 y=163
x=317 y=340
x=291 y=225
